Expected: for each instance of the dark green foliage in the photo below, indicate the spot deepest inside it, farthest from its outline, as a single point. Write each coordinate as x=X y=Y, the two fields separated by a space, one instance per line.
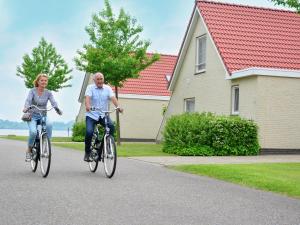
x=115 y=47
x=78 y=131
x=44 y=59
x=295 y=4
x=206 y=134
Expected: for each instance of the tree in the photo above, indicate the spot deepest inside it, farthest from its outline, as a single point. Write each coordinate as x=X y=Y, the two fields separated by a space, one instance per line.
x=115 y=49
x=290 y=3
x=44 y=59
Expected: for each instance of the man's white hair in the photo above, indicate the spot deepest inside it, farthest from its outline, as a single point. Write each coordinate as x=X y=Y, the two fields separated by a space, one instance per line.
x=97 y=74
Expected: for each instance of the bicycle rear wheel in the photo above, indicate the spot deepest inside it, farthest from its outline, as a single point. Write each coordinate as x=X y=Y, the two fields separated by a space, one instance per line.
x=110 y=156
x=34 y=160
x=45 y=155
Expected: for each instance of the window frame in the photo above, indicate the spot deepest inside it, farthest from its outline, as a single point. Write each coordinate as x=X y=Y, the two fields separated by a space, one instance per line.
x=202 y=38
x=233 y=100
x=186 y=100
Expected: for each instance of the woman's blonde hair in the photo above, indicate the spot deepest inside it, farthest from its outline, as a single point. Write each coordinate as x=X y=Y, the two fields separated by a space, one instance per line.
x=37 y=79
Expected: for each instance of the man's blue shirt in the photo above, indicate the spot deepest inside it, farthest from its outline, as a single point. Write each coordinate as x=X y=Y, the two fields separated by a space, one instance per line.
x=100 y=98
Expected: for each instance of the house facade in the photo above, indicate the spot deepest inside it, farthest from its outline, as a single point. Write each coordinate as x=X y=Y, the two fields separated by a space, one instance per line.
x=241 y=60
x=143 y=100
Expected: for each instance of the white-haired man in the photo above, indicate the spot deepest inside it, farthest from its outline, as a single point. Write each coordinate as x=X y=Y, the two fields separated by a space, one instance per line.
x=97 y=95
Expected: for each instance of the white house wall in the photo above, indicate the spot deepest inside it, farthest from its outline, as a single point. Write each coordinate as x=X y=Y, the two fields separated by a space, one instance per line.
x=247 y=97
x=141 y=118
x=211 y=91
x=278 y=112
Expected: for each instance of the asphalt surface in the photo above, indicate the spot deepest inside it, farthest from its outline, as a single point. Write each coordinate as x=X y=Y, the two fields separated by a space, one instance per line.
x=139 y=193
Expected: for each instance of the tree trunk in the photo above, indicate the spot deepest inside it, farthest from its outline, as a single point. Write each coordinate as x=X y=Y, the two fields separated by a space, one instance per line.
x=118 y=120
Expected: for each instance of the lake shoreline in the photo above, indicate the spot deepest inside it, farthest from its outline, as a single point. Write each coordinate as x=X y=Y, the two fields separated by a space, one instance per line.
x=24 y=132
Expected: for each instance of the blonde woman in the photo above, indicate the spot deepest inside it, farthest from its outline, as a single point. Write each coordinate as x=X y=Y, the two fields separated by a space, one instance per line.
x=38 y=96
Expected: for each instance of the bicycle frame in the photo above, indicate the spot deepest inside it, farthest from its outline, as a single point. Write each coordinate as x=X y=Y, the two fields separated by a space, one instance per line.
x=106 y=116
x=107 y=154
x=39 y=153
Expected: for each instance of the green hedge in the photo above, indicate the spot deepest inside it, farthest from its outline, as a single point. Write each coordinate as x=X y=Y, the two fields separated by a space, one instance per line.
x=206 y=134
x=78 y=131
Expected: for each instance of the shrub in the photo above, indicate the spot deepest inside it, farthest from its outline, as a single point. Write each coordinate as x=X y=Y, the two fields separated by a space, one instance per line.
x=78 y=131
x=206 y=134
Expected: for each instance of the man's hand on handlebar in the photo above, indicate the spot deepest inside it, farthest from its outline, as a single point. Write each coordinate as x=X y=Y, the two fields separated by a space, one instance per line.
x=121 y=110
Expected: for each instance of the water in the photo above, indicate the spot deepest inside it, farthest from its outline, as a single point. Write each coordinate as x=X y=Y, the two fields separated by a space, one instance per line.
x=55 y=133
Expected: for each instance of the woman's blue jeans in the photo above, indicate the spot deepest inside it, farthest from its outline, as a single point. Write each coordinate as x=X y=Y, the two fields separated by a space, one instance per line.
x=32 y=125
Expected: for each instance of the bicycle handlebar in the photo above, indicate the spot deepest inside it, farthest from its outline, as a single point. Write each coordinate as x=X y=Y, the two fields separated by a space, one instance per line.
x=34 y=106
x=100 y=110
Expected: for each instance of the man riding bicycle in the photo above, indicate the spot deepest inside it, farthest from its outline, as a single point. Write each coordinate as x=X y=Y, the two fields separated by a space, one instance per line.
x=97 y=95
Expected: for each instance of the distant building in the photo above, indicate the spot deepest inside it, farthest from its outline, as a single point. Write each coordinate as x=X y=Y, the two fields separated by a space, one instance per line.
x=143 y=100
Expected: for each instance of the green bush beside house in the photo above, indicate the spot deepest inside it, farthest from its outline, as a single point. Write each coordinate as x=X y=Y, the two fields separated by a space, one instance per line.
x=207 y=134
x=78 y=131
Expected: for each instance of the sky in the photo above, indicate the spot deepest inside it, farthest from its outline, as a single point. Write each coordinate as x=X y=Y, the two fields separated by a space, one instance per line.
x=23 y=23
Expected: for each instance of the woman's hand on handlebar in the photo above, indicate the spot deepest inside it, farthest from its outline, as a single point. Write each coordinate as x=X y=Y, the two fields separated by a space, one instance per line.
x=58 y=111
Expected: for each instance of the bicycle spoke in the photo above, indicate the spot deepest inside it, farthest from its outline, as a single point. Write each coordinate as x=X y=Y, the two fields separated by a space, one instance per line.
x=34 y=160
x=93 y=165
x=45 y=155
x=110 y=157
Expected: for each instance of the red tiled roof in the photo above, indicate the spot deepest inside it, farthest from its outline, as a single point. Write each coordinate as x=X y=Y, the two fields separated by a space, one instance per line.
x=152 y=80
x=248 y=36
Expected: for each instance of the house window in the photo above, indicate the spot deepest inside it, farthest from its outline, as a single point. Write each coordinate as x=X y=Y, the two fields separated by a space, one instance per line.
x=189 y=105
x=200 y=53
x=235 y=100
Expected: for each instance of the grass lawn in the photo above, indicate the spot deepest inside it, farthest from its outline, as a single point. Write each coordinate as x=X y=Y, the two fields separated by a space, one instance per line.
x=24 y=138
x=283 y=178
x=125 y=149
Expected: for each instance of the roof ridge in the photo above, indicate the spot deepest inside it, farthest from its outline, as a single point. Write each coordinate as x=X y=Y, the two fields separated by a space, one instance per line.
x=246 y=6
x=162 y=54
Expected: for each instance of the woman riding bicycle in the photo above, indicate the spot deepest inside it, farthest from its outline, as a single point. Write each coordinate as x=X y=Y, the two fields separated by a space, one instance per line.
x=38 y=96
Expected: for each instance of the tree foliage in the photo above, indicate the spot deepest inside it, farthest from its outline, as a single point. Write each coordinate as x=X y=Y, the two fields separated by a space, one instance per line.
x=295 y=4
x=115 y=47
x=44 y=59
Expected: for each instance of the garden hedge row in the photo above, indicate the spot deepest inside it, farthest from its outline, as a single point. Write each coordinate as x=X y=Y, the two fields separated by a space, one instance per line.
x=207 y=134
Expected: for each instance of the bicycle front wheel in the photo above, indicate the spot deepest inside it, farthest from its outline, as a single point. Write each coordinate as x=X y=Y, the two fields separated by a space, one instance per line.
x=34 y=160
x=45 y=155
x=94 y=163
x=110 y=156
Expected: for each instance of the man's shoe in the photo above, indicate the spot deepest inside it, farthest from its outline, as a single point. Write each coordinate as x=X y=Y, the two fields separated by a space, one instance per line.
x=87 y=157
x=28 y=157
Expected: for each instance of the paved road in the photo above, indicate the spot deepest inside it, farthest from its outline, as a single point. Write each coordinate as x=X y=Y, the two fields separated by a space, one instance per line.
x=139 y=193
